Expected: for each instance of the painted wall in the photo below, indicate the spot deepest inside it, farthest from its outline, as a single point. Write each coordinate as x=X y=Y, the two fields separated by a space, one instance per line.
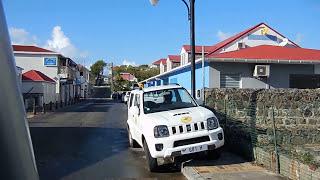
x=256 y=38
x=183 y=77
x=279 y=74
x=45 y=88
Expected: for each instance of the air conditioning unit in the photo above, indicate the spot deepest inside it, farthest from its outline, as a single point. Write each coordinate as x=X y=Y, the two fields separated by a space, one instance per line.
x=261 y=71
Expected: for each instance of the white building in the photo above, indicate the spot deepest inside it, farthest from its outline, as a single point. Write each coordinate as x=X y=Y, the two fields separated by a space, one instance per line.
x=54 y=65
x=37 y=88
x=173 y=61
x=84 y=81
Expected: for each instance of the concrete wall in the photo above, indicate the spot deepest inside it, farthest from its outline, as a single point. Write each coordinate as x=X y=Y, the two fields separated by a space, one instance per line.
x=45 y=88
x=279 y=74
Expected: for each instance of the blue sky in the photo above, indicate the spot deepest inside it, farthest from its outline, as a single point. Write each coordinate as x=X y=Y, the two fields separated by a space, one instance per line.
x=139 y=33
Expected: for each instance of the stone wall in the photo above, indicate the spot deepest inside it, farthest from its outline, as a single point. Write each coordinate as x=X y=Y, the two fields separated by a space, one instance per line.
x=260 y=118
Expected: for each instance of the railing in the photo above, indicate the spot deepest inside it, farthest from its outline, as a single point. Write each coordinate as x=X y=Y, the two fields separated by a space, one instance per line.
x=67 y=72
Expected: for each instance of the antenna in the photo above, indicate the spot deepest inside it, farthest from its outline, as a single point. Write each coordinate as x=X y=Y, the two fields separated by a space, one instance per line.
x=284 y=42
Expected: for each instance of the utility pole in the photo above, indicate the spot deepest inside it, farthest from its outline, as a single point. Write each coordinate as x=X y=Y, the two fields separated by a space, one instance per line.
x=111 y=69
x=191 y=18
x=193 y=49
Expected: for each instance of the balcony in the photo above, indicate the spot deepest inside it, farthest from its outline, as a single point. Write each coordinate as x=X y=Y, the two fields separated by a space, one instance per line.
x=67 y=72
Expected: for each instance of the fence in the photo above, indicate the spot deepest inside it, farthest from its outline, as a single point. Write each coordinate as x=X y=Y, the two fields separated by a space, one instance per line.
x=274 y=137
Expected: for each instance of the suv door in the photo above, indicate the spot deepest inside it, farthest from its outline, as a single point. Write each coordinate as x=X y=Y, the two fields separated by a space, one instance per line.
x=137 y=117
x=133 y=115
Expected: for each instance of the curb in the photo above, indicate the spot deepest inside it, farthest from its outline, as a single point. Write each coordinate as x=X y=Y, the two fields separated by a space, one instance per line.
x=32 y=118
x=190 y=172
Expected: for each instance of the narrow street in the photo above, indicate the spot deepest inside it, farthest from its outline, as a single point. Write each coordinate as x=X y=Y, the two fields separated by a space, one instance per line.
x=89 y=141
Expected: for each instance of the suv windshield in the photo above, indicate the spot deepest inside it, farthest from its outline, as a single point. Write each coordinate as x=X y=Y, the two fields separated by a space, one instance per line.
x=166 y=99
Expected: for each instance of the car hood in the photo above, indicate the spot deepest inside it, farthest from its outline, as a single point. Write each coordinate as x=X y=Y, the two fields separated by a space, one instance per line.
x=180 y=116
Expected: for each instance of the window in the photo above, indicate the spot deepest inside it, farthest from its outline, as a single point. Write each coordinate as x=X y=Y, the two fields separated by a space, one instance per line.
x=131 y=100
x=302 y=81
x=137 y=100
x=230 y=80
x=166 y=100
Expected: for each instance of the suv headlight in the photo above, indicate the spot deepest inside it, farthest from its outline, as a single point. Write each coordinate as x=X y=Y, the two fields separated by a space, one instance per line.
x=212 y=123
x=161 y=131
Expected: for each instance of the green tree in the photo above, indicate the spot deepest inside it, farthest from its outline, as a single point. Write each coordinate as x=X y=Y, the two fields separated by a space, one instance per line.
x=97 y=70
x=141 y=72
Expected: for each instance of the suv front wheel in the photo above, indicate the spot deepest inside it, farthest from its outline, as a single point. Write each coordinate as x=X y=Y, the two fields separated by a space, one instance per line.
x=152 y=162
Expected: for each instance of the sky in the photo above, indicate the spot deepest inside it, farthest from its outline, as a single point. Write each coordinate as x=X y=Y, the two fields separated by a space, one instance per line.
x=132 y=32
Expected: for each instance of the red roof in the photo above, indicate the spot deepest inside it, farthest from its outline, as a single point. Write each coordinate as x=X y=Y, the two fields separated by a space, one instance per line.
x=29 y=49
x=207 y=49
x=175 y=58
x=164 y=61
x=268 y=52
x=34 y=75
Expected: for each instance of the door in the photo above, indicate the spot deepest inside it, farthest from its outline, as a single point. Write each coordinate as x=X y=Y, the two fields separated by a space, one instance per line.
x=137 y=117
x=133 y=115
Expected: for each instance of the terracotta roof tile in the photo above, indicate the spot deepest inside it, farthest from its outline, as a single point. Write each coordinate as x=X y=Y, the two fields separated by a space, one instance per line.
x=24 y=48
x=164 y=61
x=267 y=52
x=174 y=58
x=34 y=75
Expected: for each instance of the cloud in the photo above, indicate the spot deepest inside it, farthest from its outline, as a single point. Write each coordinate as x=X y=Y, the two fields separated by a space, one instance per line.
x=22 y=37
x=59 y=42
x=129 y=63
x=299 y=37
x=222 y=35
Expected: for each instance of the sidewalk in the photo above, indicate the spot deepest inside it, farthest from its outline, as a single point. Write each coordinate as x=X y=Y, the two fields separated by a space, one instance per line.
x=31 y=117
x=227 y=167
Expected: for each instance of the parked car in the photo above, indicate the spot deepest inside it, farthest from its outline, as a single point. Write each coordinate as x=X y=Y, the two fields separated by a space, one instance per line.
x=167 y=122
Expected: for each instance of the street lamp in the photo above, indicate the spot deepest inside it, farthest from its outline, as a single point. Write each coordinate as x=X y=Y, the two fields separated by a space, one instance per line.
x=191 y=18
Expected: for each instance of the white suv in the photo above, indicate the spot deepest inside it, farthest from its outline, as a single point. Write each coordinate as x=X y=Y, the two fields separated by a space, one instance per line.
x=167 y=122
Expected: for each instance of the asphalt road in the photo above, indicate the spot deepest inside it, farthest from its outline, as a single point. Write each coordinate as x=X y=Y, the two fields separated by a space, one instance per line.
x=89 y=141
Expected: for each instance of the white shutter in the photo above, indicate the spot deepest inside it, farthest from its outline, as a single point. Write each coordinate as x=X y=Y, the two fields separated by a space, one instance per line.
x=230 y=80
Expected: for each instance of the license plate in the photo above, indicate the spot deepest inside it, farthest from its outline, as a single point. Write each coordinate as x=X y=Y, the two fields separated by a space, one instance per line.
x=194 y=149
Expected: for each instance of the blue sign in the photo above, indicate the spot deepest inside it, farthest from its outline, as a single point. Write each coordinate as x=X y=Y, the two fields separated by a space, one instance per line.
x=51 y=61
x=263 y=37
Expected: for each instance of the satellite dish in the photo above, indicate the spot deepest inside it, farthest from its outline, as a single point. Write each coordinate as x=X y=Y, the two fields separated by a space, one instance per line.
x=284 y=42
x=154 y=2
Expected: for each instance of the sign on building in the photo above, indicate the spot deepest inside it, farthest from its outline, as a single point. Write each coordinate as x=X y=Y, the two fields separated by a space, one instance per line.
x=50 y=61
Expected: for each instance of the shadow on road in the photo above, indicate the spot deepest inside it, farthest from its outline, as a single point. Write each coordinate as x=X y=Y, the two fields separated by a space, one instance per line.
x=226 y=158
x=61 y=151
x=90 y=106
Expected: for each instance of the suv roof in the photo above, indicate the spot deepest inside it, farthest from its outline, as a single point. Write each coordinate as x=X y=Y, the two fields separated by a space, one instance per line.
x=154 y=88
